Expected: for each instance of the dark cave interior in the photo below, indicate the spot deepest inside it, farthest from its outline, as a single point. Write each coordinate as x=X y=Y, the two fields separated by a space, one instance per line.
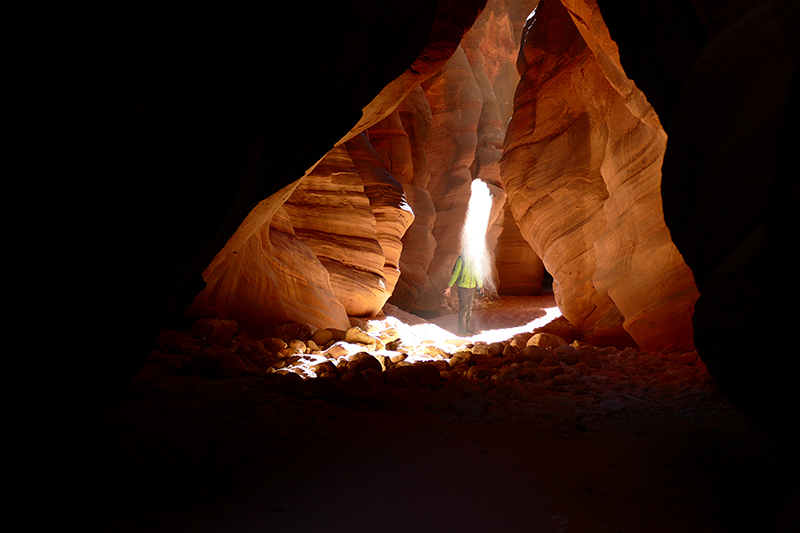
x=146 y=135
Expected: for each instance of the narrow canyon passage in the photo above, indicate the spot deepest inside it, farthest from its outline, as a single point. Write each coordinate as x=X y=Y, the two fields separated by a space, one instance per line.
x=237 y=230
x=637 y=446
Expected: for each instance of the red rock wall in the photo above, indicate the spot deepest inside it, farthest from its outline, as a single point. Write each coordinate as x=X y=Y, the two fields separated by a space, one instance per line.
x=348 y=213
x=470 y=104
x=582 y=169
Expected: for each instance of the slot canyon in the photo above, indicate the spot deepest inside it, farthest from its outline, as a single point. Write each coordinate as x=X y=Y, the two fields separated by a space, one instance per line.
x=250 y=215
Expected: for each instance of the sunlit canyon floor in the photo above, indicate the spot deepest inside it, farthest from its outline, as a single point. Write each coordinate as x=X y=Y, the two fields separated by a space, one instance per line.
x=642 y=444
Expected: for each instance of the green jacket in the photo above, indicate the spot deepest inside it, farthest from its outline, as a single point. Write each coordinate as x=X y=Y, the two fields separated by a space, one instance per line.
x=464 y=272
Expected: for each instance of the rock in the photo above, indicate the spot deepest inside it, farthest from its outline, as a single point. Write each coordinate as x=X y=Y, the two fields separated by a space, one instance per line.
x=462 y=357
x=274 y=344
x=509 y=351
x=480 y=348
x=443 y=366
x=530 y=353
x=215 y=366
x=297 y=346
x=363 y=361
x=496 y=349
x=504 y=391
x=322 y=337
x=398 y=358
x=212 y=328
x=340 y=349
x=480 y=372
x=424 y=374
x=385 y=361
x=567 y=354
x=434 y=351
x=357 y=335
x=583 y=368
x=546 y=340
x=509 y=373
x=338 y=334
x=312 y=346
x=394 y=345
x=551 y=371
x=326 y=369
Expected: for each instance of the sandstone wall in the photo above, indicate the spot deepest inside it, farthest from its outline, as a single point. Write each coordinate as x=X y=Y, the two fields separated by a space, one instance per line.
x=345 y=219
x=465 y=110
x=582 y=169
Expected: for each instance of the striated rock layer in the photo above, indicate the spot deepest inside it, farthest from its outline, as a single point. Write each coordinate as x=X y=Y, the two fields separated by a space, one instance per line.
x=582 y=166
x=348 y=213
x=455 y=126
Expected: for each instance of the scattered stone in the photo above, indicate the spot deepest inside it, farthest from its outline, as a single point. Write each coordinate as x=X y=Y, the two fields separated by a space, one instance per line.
x=297 y=346
x=386 y=363
x=325 y=369
x=362 y=361
x=341 y=349
x=479 y=372
x=321 y=337
x=462 y=357
x=398 y=358
x=434 y=351
x=567 y=354
x=480 y=348
x=274 y=344
x=546 y=340
x=551 y=371
x=510 y=373
x=357 y=335
x=530 y=353
x=313 y=346
x=424 y=374
x=443 y=366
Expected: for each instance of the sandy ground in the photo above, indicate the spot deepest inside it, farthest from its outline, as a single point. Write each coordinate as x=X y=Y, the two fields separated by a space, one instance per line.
x=236 y=455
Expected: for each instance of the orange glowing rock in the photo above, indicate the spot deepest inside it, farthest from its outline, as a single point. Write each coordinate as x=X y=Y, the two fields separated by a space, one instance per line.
x=582 y=167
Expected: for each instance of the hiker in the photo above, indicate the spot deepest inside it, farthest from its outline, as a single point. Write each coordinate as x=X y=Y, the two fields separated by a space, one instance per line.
x=469 y=279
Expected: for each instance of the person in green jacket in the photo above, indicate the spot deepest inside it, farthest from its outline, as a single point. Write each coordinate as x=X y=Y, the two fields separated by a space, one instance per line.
x=469 y=279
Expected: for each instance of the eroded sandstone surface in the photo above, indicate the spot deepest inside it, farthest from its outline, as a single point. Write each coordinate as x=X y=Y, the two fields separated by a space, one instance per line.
x=582 y=167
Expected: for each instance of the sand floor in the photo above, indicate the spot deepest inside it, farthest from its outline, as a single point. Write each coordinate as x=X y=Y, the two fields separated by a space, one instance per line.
x=236 y=456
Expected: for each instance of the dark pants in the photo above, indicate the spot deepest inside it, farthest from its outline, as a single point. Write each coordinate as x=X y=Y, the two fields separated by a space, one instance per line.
x=465 y=297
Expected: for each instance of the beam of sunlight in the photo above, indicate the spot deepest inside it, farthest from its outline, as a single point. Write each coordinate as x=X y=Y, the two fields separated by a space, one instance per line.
x=473 y=234
x=418 y=335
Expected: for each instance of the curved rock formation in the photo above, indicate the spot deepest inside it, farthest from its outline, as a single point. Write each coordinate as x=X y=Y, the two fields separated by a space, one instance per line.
x=520 y=270
x=158 y=135
x=582 y=168
x=342 y=212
